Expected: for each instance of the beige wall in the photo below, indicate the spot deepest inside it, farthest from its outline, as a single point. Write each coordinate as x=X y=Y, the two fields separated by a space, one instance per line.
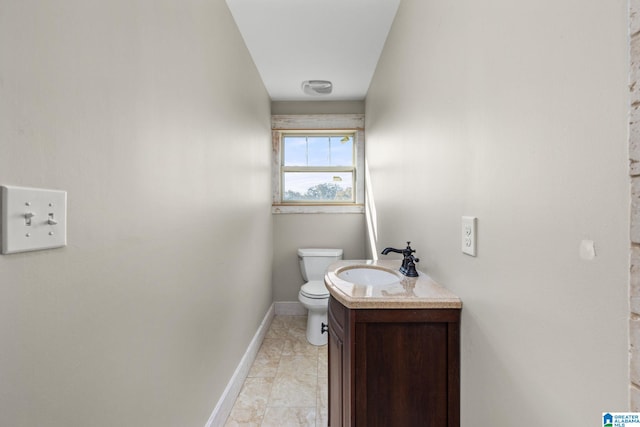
x=515 y=113
x=152 y=116
x=293 y=231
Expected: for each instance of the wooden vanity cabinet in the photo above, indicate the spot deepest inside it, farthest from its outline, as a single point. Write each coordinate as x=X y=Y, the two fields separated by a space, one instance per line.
x=393 y=367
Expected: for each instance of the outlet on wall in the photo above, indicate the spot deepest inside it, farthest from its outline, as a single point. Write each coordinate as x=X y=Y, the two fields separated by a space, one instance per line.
x=469 y=235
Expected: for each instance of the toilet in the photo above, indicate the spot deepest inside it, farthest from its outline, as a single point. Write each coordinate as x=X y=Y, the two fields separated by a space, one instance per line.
x=314 y=295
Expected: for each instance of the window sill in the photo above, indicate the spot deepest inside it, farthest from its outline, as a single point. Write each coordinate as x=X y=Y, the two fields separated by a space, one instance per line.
x=314 y=209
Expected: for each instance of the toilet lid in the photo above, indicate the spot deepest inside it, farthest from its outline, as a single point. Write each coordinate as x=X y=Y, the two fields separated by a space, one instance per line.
x=314 y=289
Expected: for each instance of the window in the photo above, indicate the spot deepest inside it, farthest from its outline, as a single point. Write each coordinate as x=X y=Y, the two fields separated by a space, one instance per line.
x=318 y=164
x=317 y=168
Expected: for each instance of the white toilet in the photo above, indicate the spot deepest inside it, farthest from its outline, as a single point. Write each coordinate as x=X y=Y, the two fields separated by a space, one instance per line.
x=314 y=295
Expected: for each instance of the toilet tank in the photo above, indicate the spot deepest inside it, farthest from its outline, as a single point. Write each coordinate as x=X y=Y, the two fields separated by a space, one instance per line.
x=314 y=262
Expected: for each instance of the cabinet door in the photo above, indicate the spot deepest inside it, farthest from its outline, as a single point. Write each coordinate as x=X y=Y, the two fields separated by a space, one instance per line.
x=401 y=374
x=336 y=354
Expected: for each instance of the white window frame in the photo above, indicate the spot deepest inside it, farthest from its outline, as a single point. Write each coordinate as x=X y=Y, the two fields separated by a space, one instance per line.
x=284 y=124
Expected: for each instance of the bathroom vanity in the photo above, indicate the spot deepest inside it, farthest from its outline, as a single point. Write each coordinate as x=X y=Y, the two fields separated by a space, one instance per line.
x=394 y=348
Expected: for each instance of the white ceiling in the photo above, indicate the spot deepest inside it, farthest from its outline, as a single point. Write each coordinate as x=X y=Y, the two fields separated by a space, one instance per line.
x=291 y=41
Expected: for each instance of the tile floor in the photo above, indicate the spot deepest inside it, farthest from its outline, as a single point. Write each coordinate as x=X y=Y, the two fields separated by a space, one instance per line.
x=287 y=383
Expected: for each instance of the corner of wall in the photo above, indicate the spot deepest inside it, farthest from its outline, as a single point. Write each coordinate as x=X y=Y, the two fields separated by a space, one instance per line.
x=634 y=173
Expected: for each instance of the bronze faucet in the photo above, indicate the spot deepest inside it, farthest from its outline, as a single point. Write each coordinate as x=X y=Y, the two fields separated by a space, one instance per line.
x=408 y=267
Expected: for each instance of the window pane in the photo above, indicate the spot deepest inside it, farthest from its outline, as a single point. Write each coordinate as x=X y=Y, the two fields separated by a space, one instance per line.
x=318 y=186
x=319 y=149
x=342 y=150
x=295 y=151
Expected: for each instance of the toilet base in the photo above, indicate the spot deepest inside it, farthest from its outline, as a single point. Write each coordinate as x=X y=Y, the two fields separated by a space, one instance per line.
x=317 y=308
x=314 y=328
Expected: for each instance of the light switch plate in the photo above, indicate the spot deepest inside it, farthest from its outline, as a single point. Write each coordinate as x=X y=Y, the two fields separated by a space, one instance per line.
x=469 y=235
x=33 y=219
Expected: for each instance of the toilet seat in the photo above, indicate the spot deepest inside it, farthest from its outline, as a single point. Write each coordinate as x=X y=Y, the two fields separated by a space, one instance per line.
x=315 y=289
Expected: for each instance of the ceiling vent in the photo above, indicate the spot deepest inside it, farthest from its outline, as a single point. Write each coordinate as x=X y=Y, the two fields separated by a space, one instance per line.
x=317 y=87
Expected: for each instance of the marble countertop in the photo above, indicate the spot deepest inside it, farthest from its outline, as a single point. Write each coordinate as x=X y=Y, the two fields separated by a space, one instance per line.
x=407 y=292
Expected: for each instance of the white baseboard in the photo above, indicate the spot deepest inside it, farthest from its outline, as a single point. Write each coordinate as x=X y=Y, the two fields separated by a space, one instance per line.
x=290 y=308
x=225 y=404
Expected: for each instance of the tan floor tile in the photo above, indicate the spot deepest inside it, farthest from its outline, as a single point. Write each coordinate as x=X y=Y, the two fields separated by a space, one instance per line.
x=287 y=383
x=241 y=418
x=297 y=323
x=251 y=403
x=279 y=328
x=299 y=347
x=322 y=405
x=271 y=348
x=295 y=383
x=267 y=359
x=297 y=334
x=322 y=418
x=290 y=417
x=299 y=390
x=323 y=351
x=263 y=368
x=323 y=363
x=298 y=365
x=292 y=327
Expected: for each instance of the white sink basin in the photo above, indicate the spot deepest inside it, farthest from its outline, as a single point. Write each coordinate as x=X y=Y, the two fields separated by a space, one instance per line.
x=368 y=275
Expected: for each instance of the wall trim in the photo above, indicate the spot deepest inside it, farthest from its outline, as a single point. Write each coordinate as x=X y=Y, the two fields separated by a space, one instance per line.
x=317 y=121
x=290 y=308
x=225 y=404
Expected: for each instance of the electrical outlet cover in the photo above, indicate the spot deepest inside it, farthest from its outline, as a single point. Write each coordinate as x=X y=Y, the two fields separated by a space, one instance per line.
x=469 y=235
